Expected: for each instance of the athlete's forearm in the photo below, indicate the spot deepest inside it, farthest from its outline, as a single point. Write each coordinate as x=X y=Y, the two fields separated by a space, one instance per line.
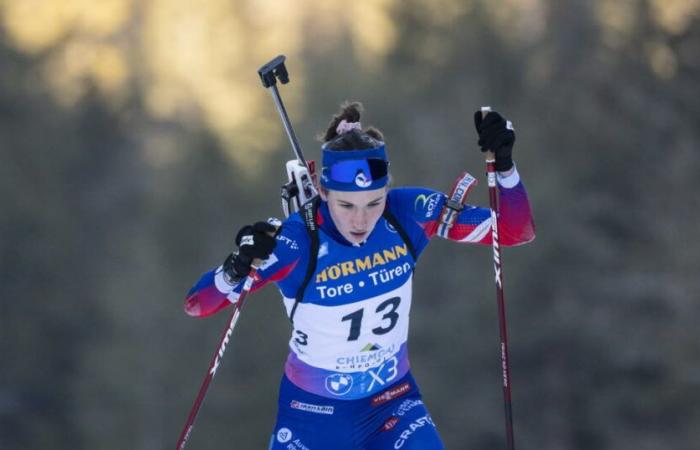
x=215 y=290
x=515 y=223
x=210 y=294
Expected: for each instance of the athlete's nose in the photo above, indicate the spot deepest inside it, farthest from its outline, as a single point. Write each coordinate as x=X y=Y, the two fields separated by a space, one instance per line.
x=359 y=220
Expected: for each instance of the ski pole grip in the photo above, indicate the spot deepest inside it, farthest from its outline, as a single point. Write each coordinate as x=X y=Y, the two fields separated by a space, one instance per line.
x=490 y=155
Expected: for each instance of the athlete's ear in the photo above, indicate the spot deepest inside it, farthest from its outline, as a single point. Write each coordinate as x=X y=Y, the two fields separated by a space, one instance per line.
x=323 y=192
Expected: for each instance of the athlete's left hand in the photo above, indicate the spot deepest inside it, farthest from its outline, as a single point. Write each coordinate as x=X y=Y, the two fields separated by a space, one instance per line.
x=497 y=135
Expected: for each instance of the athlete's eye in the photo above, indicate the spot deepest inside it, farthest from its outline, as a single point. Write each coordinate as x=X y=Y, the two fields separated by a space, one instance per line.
x=375 y=203
x=345 y=206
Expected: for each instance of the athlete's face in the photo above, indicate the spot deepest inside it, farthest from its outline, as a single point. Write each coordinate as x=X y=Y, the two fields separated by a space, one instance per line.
x=355 y=213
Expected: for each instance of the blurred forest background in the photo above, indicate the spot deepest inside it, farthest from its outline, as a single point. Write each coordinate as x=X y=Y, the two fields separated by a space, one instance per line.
x=135 y=138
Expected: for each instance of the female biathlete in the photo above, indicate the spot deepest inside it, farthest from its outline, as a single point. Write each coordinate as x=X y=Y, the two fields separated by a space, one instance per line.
x=344 y=266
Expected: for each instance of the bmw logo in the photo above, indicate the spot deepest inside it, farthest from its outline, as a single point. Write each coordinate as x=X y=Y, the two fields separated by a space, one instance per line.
x=338 y=383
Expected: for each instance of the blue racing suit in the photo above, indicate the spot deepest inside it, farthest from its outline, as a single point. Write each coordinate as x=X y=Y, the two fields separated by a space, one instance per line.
x=347 y=383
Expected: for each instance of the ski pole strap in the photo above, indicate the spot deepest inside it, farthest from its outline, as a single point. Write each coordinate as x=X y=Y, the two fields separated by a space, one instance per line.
x=455 y=203
x=389 y=217
x=308 y=212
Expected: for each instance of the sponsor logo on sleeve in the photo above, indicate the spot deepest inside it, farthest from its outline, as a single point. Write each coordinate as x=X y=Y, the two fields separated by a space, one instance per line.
x=426 y=203
x=291 y=243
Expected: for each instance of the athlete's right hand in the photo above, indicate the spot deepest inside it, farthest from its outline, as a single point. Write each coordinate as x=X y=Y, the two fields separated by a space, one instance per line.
x=255 y=241
x=496 y=134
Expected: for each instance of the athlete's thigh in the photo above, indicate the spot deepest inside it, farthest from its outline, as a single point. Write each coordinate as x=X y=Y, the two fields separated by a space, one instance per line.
x=309 y=422
x=409 y=427
x=308 y=432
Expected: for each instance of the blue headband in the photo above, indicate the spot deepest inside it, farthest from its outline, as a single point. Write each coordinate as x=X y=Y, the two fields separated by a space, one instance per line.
x=354 y=170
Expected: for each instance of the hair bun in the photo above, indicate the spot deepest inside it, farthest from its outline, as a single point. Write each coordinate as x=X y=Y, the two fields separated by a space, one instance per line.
x=350 y=111
x=344 y=126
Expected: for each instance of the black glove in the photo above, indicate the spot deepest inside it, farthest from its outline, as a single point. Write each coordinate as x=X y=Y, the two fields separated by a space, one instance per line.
x=255 y=241
x=496 y=134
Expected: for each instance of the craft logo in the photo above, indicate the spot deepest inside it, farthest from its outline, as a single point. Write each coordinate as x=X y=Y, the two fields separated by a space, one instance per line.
x=338 y=383
x=284 y=435
x=411 y=429
x=291 y=243
x=391 y=394
x=361 y=180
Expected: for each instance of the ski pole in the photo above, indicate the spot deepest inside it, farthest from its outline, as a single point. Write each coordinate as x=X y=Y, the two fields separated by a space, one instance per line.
x=216 y=361
x=498 y=268
x=269 y=73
